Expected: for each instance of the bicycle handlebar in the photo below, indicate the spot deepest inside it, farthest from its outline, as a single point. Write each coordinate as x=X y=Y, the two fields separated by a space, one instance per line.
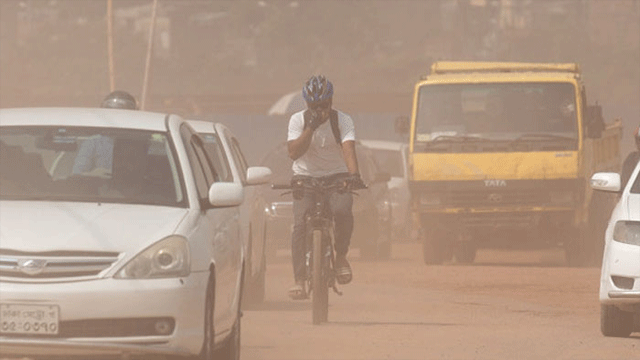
x=315 y=186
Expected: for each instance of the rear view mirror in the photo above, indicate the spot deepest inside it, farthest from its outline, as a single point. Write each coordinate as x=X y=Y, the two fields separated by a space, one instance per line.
x=57 y=142
x=257 y=175
x=223 y=194
x=605 y=181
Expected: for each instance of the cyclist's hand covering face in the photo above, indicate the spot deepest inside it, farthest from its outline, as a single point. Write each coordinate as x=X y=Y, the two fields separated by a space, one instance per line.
x=319 y=114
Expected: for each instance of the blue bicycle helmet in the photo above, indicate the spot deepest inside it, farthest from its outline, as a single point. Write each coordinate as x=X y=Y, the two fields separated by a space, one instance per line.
x=317 y=89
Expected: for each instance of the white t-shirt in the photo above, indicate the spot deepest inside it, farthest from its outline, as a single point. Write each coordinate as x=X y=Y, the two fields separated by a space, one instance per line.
x=324 y=156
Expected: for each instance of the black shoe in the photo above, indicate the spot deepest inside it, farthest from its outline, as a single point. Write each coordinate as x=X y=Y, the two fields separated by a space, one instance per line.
x=343 y=270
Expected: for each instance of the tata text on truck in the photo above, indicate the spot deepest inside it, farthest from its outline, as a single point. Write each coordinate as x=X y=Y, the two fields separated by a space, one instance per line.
x=501 y=155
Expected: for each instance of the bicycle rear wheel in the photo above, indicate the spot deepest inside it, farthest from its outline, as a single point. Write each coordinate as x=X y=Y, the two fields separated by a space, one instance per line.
x=320 y=292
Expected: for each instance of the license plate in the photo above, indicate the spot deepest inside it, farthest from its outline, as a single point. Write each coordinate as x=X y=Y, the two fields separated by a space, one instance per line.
x=29 y=319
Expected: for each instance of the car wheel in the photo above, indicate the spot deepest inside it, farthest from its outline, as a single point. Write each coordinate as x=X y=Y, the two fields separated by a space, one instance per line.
x=271 y=247
x=257 y=293
x=574 y=247
x=615 y=322
x=231 y=348
x=384 y=248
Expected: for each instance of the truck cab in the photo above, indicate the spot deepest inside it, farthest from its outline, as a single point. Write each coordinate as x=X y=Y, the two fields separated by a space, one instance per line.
x=500 y=156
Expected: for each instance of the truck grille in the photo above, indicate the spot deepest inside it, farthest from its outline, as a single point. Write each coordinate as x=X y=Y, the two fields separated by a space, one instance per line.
x=496 y=198
x=25 y=267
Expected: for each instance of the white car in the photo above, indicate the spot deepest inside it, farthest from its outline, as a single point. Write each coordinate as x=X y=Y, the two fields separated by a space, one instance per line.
x=392 y=156
x=620 y=275
x=117 y=237
x=219 y=140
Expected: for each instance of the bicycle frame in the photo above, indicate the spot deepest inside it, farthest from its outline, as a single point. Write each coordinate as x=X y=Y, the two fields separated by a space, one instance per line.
x=319 y=255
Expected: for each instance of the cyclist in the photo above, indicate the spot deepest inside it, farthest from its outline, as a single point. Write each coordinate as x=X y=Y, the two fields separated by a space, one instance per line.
x=631 y=161
x=322 y=149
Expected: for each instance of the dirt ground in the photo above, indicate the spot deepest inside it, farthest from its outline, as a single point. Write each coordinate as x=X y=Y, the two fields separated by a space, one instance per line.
x=507 y=305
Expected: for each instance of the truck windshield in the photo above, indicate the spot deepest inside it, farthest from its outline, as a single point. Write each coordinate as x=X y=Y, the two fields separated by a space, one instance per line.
x=497 y=111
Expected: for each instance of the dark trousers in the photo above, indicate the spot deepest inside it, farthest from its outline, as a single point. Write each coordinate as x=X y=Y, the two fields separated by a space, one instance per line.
x=340 y=204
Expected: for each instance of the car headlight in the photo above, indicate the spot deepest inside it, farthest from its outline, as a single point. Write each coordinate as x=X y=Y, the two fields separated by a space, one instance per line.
x=168 y=257
x=429 y=199
x=627 y=232
x=561 y=197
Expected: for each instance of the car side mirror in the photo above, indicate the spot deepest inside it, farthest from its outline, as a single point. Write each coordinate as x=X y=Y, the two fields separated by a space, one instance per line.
x=606 y=181
x=258 y=175
x=224 y=194
x=594 y=125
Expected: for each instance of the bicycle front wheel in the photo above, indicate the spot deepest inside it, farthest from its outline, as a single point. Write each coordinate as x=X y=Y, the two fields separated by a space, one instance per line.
x=320 y=292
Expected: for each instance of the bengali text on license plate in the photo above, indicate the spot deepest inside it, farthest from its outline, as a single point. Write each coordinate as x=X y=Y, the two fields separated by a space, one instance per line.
x=29 y=319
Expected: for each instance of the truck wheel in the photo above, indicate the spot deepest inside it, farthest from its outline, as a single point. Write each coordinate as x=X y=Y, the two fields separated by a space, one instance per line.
x=434 y=249
x=615 y=322
x=574 y=247
x=465 y=252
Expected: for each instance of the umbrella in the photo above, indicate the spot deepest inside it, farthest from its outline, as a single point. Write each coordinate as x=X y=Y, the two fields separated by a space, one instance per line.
x=288 y=104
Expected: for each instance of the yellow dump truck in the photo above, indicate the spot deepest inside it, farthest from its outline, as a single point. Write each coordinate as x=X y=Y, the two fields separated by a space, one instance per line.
x=501 y=154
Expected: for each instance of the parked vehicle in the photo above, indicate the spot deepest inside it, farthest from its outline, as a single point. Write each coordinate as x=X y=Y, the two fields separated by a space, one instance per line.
x=118 y=234
x=371 y=207
x=224 y=150
x=393 y=158
x=500 y=156
x=620 y=272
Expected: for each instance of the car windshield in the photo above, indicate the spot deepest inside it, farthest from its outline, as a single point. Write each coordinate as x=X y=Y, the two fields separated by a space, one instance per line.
x=497 y=111
x=390 y=160
x=89 y=165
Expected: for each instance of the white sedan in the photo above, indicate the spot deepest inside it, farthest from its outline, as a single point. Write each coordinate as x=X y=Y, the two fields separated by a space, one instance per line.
x=117 y=237
x=393 y=157
x=218 y=139
x=620 y=275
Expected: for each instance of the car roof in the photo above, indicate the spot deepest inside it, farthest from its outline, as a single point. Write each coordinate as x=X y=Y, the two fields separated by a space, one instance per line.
x=383 y=144
x=91 y=117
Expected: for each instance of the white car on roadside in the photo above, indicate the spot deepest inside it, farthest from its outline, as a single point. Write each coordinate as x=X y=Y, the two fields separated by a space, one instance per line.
x=221 y=143
x=620 y=275
x=117 y=237
x=392 y=156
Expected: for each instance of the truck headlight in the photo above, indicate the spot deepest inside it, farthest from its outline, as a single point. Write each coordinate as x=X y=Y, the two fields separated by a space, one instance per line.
x=627 y=232
x=429 y=199
x=168 y=257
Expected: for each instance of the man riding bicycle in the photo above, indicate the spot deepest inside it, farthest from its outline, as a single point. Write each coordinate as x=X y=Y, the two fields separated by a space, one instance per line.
x=322 y=149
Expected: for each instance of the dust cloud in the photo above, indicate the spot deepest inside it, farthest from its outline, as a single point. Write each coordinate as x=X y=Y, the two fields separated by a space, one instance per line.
x=231 y=60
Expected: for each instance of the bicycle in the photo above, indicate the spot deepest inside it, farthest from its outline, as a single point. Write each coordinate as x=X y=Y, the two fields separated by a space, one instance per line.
x=319 y=255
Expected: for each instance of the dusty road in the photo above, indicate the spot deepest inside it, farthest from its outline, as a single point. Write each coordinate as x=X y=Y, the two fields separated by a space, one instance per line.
x=508 y=305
